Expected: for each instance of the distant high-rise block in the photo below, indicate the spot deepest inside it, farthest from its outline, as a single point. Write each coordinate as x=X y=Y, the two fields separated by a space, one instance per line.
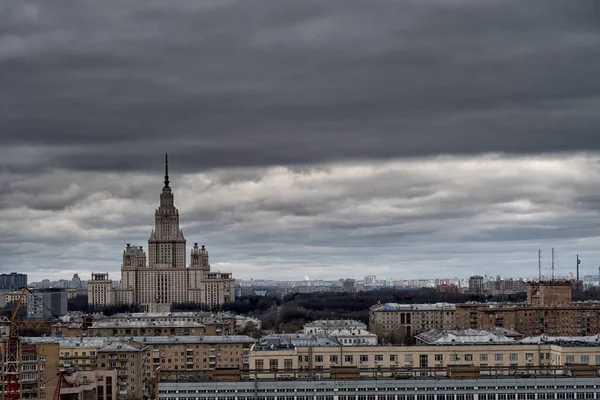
x=476 y=284
x=46 y=303
x=13 y=281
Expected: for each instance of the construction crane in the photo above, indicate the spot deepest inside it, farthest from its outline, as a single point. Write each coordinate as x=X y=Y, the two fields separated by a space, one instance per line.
x=58 y=386
x=12 y=354
x=12 y=364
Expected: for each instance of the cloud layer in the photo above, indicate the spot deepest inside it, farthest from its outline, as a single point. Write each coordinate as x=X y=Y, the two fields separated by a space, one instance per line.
x=444 y=216
x=308 y=138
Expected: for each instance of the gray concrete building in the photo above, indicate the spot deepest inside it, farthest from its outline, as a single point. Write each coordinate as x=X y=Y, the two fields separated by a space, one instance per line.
x=46 y=303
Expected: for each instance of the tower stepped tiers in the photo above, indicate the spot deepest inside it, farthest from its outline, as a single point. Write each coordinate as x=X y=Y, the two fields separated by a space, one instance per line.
x=160 y=278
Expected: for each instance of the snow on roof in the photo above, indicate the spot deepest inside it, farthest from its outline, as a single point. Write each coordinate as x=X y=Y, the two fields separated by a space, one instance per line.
x=97 y=342
x=146 y=324
x=334 y=322
x=594 y=339
x=467 y=336
x=419 y=307
x=116 y=347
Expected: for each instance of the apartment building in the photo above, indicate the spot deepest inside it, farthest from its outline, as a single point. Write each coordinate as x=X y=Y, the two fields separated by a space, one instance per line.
x=151 y=324
x=137 y=360
x=577 y=319
x=195 y=353
x=266 y=358
x=130 y=362
x=402 y=321
x=550 y=293
x=40 y=368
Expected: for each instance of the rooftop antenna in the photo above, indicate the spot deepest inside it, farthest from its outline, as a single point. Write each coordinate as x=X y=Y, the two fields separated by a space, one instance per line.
x=578 y=262
x=539 y=265
x=553 y=264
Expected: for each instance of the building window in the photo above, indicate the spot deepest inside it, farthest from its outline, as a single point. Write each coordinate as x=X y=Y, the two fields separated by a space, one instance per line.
x=483 y=357
x=273 y=364
x=439 y=357
x=348 y=358
x=453 y=357
x=287 y=364
x=333 y=359
x=499 y=357
x=468 y=357
x=393 y=357
x=364 y=358
x=258 y=365
x=408 y=358
x=570 y=359
x=319 y=359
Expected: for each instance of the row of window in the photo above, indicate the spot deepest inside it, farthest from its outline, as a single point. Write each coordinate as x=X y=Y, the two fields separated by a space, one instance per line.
x=467 y=396
x=520 y=396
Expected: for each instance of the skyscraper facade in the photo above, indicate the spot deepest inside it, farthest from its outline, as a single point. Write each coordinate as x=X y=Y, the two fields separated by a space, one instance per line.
x=162 y=277
x=12 y=281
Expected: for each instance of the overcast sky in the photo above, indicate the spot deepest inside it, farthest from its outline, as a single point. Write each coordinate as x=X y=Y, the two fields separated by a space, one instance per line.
x=329 y=139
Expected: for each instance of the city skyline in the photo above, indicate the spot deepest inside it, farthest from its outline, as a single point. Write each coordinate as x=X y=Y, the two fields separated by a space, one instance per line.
x=322 y=139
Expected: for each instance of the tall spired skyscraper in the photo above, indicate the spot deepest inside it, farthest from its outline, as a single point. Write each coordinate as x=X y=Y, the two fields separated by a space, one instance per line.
x=163 y=278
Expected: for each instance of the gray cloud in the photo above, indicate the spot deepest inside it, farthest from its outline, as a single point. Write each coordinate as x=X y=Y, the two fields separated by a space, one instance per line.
x=329 y=138
x=107 y=87
x=467 y=214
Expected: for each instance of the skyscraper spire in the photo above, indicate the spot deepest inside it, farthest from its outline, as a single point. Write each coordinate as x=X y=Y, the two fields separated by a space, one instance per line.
x=166 y=170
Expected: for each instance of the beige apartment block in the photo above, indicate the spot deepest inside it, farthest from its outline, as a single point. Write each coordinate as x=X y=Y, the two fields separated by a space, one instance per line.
x=399 y=322
x=139 y=360
x=130 y=362
x=550 y=293
x=40 y=368
x=151 y=324
x=162 y=277
x=273 y=359
x=202 y=353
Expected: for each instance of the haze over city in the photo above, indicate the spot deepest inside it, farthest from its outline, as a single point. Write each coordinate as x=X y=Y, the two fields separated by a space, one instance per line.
x=412 y=139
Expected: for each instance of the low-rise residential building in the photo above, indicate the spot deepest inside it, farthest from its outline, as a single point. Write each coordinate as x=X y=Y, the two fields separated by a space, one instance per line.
x=402 y=321
x=150 y=324
x=270 y=358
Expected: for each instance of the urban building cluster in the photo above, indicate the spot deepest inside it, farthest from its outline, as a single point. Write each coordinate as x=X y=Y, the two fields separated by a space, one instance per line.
x=124 y=364
x=549 y=310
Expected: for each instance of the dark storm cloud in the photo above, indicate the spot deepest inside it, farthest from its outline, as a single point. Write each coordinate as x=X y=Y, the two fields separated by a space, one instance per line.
x=304 y=136
x=108 y=86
